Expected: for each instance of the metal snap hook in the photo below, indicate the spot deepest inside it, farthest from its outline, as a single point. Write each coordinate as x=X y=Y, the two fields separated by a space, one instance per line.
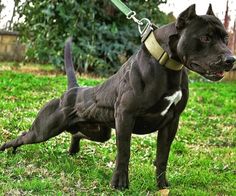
x=143 y=22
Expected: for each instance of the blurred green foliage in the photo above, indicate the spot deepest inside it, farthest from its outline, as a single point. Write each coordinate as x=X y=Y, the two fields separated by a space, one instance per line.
x=103 y=37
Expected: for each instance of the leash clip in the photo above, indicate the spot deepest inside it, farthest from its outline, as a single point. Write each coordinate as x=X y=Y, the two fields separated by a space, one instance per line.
x=147 y=25
x=131 y=15
x=143 y=25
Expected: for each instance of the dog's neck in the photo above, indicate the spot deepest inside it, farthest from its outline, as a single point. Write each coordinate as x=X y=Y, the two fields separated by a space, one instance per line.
x=166 y=36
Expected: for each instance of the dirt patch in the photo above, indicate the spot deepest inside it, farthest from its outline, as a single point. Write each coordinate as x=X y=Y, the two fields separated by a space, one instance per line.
x=31 y=69
x=38 y=71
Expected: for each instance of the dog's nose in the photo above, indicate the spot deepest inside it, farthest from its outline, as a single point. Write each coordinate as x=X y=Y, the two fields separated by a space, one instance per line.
x=229 y=63
x=229 y=59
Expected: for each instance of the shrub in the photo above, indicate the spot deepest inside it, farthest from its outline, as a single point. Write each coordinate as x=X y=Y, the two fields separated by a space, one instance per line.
x=103 y=37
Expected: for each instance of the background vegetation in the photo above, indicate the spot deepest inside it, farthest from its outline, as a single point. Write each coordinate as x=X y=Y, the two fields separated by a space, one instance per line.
x=202 y=159
x=103 y=37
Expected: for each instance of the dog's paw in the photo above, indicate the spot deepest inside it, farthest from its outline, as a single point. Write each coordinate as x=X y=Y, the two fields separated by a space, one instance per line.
x=74 y=151
x=14 y=150
x=3 y=147
x=120 y=180
x=163 y=184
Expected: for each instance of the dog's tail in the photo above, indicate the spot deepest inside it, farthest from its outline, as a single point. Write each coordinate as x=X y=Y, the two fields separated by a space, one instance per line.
x=69 y=67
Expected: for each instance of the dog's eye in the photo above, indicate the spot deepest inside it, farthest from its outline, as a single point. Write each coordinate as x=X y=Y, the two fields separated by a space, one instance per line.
x=205 y=39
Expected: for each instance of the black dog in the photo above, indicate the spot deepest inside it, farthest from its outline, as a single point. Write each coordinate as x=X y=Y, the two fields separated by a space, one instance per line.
x=147 y=94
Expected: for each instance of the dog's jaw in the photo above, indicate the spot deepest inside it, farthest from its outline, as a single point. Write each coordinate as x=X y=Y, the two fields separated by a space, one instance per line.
x=208 y=74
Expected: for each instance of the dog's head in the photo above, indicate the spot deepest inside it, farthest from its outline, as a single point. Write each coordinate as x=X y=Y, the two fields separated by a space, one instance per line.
x=201 y=44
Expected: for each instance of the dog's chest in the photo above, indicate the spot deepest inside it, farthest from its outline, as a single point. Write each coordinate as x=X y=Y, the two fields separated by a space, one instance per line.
x=169 y=100
x=165 y=103
x=160 y=114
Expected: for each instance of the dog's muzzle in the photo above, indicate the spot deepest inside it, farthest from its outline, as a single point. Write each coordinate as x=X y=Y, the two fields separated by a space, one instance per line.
x=215 y=70
x=225 y=63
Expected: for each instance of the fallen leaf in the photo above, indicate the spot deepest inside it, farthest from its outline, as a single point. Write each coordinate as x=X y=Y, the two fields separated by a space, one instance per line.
x=163 y=192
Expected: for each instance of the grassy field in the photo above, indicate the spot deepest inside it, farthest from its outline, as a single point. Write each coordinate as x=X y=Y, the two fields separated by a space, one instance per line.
x=202 y=159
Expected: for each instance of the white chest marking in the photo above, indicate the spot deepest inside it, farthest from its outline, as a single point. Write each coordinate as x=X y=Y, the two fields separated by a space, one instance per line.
x=174 y=98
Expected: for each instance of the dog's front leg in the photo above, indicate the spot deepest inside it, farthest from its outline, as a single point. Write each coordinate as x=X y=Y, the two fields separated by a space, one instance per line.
x=124 y=126
x=164 y=141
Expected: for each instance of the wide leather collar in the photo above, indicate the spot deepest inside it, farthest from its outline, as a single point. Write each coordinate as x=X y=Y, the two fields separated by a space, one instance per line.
x=159 y=54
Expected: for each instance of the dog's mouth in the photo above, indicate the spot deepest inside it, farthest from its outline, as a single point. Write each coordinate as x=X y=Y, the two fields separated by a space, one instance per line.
x=213 y=75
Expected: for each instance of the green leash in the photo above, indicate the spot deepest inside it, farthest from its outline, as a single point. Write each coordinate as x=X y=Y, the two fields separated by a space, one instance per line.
x=143 y=25
x=122 y=7
x=146 y=29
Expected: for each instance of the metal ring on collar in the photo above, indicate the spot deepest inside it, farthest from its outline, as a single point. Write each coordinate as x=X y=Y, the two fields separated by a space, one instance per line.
x=146 y=22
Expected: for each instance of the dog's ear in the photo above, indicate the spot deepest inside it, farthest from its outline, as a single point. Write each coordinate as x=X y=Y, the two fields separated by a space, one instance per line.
x=210 y=11
x=185 y=17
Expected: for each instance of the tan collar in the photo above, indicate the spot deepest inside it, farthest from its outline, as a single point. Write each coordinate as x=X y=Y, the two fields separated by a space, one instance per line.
x=159 y=54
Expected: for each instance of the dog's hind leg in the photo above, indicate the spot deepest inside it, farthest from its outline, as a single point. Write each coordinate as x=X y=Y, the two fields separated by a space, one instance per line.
x=49 y=122
x=75 y=143
x=97 y=133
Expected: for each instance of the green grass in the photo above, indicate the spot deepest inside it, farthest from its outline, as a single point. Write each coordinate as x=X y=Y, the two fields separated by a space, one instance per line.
x=202 y=159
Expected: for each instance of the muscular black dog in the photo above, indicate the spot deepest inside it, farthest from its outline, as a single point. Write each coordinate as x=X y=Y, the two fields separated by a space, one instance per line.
x=144 y=96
